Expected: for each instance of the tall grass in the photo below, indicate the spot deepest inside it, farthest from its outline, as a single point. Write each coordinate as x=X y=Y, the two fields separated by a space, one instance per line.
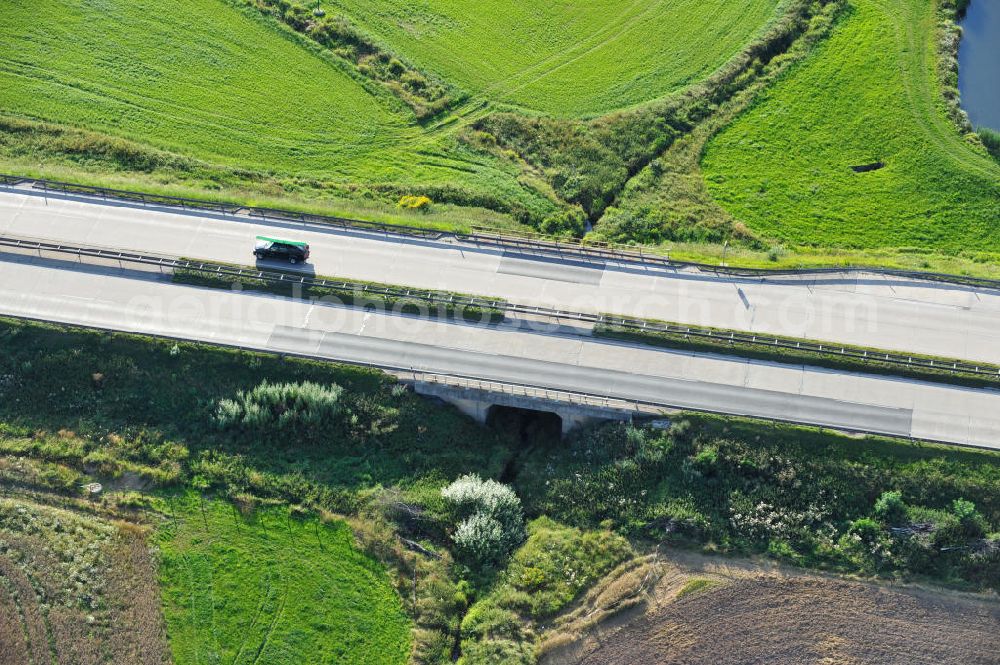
x=295 y=409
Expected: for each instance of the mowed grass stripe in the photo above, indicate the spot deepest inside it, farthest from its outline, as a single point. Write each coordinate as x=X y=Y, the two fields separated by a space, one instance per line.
x=566 y=58
x=868 y=94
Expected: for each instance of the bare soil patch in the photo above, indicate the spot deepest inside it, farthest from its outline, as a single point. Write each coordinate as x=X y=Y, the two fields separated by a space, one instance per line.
x=76 y=588
x=746 y=614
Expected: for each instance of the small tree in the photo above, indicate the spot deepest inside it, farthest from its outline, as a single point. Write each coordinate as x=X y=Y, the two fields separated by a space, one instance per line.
x=972 y=523
x=890 y=508
x=571 y=222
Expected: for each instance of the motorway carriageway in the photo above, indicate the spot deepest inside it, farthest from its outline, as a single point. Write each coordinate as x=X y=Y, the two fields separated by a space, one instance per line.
x=147 y=302
x=894 y=314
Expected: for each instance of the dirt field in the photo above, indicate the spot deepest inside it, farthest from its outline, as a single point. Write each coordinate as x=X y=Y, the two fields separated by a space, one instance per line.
x=748 y=615
x=75 y=588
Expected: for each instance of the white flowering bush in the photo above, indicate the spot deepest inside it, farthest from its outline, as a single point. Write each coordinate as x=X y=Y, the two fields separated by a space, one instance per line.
x=489 y=517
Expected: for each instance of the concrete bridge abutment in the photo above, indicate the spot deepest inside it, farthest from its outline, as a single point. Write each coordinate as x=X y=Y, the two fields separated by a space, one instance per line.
x=477 y=404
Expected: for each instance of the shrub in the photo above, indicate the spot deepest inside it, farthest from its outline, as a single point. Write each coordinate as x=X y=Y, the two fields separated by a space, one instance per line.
x=410 y=202
x=490 y=519
x=301 y=408
x=890 y=508
x=481 y=538
x=868 y=530
x=972 y=523
x=569 y=222
x=990 y=139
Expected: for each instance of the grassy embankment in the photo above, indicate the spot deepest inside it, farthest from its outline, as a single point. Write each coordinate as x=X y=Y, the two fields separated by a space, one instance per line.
x=139 y=416
x=793 y=493
x=187 y=95
x=869 y=94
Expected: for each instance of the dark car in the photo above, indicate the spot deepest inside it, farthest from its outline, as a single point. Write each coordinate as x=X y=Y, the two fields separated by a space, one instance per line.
x=284 y=250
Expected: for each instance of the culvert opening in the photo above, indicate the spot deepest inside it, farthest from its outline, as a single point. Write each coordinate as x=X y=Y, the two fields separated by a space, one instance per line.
x=528 y=429
x=865 y=168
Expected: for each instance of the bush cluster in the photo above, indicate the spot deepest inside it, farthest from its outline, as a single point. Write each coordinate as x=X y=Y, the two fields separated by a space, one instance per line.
x=426 y=97
x=411 y=202
x=949 y=12
x=571 y=222
x=991 y=141
x=489 y=519
x=300 y=409
x=796 y=495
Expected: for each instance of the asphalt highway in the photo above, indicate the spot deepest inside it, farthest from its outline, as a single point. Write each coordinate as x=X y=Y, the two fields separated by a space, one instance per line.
x=146 y=302
x=867 y=310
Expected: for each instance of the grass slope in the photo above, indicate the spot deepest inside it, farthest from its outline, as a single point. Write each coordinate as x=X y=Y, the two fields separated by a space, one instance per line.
x=274 y=589
x=868 y=94
x=565 y=58
x=228 y=86
x=193 y=76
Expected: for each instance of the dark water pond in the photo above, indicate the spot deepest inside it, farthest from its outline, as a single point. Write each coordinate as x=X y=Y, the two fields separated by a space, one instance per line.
x=979 y=63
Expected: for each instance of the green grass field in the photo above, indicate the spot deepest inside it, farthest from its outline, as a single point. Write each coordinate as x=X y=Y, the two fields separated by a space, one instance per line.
x=868 y=94
x=205 y=79
x=273 y=589
x=565 y=58
x=231 y=90
x=249 y=575
x=217 y=81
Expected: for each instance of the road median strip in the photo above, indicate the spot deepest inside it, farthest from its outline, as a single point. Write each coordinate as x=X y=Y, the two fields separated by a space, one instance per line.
x=435 y=304
x=447 y=305
x=792 y=350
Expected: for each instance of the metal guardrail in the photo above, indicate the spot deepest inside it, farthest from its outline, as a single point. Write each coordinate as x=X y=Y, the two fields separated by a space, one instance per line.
x=590 y=251
x=635 y=254
x=343 y=223
x=126 y=195
x=459 y=303
x=864 y=355
x=238 y=273
x=528 y=243
x=533 y=392
x=263 y=213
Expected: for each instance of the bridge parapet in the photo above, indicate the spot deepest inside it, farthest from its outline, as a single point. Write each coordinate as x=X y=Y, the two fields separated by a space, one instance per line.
x=475 y=398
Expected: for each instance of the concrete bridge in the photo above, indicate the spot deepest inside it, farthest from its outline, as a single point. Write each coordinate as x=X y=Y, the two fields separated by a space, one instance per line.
x=479 y=399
